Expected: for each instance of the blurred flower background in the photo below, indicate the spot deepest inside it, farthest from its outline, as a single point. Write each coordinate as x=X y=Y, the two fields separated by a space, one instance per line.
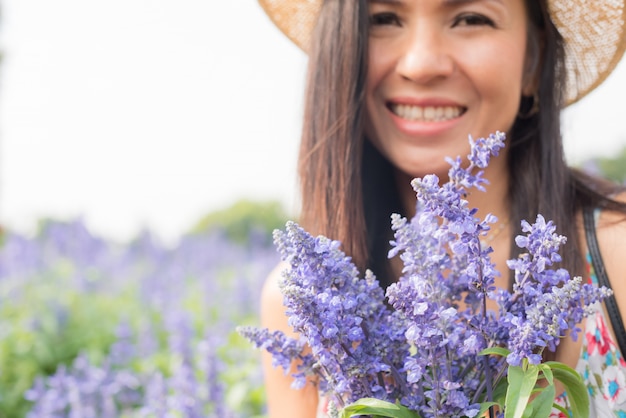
x=91 y=328
x=147 y=150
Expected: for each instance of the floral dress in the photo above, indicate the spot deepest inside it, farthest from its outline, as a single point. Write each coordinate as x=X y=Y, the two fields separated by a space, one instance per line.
x=601 y=365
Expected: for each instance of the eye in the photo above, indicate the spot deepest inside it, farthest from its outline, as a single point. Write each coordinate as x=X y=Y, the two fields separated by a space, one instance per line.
x=384 y=18
x=473 y=19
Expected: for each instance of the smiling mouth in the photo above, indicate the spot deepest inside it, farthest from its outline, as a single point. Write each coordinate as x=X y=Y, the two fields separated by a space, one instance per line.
x=426 y=113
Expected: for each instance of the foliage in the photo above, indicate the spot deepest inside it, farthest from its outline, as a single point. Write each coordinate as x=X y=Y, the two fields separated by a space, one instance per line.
x=243 y=219
x=612 y=168
x=95 y=327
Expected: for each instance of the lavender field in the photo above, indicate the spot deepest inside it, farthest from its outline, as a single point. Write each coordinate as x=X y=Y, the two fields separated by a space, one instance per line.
x=94 y=328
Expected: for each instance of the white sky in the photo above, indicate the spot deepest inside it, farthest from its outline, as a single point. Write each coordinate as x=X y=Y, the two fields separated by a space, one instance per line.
x=149 y=113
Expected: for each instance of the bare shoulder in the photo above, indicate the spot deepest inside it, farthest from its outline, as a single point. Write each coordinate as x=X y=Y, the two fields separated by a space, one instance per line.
x=611 y=232
x=282 y=400
x=272 y=309
x=271 y=289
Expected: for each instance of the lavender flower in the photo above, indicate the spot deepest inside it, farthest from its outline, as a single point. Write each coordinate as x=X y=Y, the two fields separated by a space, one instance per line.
x=343 y=318
x=284 y=351
x=545 y=303
x=155 y=401
x=84 y=390
x=210 y=367
x=423 y=353
x=443 y=259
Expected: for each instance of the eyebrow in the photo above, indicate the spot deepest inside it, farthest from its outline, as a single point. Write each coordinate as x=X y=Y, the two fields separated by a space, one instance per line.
x=386 y=1
x=457 y=2
x=445 y=2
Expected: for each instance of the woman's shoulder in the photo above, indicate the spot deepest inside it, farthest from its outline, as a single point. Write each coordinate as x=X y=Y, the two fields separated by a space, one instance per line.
x=272 y=309
x=271 y=288
x=282 y=400
x=611 y=233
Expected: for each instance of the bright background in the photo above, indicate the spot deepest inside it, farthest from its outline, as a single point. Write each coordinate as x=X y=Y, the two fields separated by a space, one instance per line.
x=138 y=114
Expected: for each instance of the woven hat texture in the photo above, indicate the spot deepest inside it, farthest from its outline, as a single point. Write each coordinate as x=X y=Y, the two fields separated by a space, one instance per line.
x=594 y=33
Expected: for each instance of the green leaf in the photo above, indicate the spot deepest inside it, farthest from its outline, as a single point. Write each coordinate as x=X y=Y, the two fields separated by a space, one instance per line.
x=547 y=373
x=541 y=406
x=499 y=351
x=484 y=407
x=577 y=395
x=521 y=384
x=377 y=408
x=499 y=392
x=560 y=408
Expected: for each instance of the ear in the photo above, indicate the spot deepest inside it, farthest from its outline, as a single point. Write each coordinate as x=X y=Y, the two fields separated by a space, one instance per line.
x=532 y=62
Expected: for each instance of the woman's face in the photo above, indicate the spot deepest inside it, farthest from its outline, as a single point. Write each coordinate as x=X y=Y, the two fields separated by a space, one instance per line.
x=438 y=71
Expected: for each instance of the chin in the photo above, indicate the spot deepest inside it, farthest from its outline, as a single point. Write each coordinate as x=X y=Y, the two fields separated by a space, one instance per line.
x=420 y=170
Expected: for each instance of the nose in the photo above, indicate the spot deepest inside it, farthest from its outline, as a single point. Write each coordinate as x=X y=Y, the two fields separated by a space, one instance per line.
x=425 y=56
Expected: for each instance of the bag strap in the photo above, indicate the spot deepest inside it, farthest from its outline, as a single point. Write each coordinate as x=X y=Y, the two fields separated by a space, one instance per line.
x=598 y=266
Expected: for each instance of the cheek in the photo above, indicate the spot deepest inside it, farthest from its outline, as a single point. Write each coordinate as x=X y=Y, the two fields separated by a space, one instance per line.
x=371 y=129
x=500 y=81
x=492 y=68
x=373 y=89
x=381 y=64
x=376 y=70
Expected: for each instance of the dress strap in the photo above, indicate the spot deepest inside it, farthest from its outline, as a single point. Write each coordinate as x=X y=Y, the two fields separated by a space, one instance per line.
x=598 y=266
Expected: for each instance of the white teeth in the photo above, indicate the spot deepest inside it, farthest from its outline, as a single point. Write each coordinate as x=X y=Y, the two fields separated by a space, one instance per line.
x=427 y=113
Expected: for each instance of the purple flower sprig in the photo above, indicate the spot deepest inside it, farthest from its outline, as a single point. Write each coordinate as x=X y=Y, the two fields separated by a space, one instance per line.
x=421 y=349
x=444 y=260
x=356 y=340
x=284 y=351
x=545 y=304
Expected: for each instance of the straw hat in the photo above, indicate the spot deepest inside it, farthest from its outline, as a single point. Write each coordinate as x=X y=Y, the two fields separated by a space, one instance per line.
x=594 y=33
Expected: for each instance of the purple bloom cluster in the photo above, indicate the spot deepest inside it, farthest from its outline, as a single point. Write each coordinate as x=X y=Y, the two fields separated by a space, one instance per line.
x=545 y=304
x=352 y=335
x=423 y=352
x=112 y=390
x=443 y=261
x=84 y=390
x=284 y=351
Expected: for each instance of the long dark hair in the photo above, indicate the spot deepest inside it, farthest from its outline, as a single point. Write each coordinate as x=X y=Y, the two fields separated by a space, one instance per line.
x=332 y=143
x=540 y=179
x=348 y=190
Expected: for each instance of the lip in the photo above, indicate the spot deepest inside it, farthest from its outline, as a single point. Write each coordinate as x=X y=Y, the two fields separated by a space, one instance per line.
x=422 y=128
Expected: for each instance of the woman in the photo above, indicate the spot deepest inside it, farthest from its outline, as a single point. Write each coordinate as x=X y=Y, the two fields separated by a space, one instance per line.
x=396 y=86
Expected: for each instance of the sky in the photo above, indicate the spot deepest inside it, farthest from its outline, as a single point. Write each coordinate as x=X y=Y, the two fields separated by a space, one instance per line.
x=148 y=114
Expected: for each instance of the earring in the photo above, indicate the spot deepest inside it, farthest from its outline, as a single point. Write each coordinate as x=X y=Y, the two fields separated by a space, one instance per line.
x=529 y=106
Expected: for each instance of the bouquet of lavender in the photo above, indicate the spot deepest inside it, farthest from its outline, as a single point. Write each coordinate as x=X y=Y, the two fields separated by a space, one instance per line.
x=429 y=347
